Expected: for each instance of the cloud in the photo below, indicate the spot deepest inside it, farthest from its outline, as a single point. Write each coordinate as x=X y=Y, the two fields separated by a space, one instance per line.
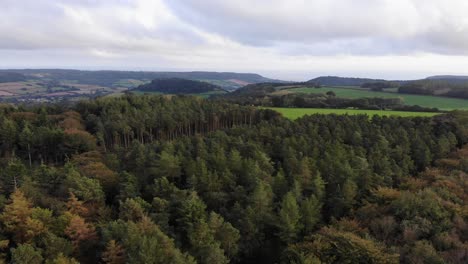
x=270 y=36
x=131 y=25
x=386 y=26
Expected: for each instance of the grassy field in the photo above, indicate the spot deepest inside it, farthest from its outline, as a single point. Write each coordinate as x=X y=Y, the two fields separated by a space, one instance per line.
x=442 y=103
x=294 y=113
x=130 y=83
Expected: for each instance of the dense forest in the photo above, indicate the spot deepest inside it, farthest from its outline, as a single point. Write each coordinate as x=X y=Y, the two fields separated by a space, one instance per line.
x=380 y=86
x=179 y=179
x=178 y=86
x=442 y=87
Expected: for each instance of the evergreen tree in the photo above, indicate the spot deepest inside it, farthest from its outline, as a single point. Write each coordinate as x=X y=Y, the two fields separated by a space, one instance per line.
x=289 y=219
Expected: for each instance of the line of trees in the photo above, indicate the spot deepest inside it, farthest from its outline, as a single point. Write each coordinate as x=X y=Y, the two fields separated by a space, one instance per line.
x=436 y=87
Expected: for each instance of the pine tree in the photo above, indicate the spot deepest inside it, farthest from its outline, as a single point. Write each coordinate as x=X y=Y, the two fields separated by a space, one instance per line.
x=225 y=233
x=168 y=166
x=318 y=187
x=289 y=219
x=311 y=213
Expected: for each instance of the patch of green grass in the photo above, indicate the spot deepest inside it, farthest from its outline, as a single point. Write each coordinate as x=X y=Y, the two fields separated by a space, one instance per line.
x=294 y=113
x=443 y=103
x=129 y=83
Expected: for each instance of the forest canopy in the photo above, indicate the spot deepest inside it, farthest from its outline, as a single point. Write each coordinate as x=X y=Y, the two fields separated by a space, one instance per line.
x=177 y=86
x=179 y=179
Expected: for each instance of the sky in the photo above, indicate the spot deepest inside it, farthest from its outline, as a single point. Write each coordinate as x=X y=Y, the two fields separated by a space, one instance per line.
x=285 y=39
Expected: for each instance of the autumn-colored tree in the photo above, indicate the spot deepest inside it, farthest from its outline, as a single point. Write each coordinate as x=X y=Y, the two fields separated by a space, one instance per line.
x=90 y=164
x=76 y=206
x=61 y=259
x=79 y=231
x=333 y=246
x=16 y=218
x=114 y=254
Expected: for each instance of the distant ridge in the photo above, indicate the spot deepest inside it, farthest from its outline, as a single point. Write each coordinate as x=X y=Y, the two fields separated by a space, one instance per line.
x=448 y=77
x=107 y=78
x=454 y=79
x=342 y=81
x=12 y=77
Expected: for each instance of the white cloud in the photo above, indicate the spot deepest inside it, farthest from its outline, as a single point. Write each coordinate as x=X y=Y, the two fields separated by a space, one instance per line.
x=382 y=38
x=392 y=26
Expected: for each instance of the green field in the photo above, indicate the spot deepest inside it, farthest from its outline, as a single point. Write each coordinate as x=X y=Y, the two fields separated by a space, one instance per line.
x=442 y=103
x=294 y=113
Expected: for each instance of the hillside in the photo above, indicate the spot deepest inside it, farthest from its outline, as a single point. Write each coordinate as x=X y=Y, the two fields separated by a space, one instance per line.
x=11 y=77
x=342 y=81
x=453 y=78
x=54 y=85
x=177 y=86
x=130 y=79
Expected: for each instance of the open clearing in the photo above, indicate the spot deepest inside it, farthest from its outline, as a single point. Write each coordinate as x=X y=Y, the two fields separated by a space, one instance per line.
x=442 y=103
x=294 y=113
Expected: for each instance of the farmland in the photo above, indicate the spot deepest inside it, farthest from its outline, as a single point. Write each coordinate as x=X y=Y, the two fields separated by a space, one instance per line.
x=443 y=103
x=294 y=113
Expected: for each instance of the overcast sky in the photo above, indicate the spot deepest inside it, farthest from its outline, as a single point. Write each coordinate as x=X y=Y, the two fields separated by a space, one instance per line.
x=288 y=39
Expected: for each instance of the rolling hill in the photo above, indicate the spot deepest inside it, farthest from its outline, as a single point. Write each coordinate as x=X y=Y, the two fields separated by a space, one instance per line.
x=342 y=81
x=6 y=77
x=450 y=78
x=131 y=79
x=178 y=86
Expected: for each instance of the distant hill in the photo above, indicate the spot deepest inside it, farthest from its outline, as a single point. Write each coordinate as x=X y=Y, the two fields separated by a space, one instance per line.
x=178 y=86
x=131 y=79
x=12 y=77
x=453 y=79
x=342 y=81
x=448 y=77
